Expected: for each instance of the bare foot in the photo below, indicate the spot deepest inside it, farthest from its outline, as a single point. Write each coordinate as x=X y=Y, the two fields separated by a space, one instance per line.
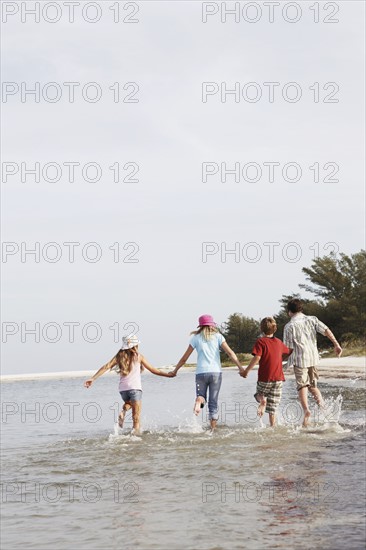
x=307 y=415
x=121 y=418
x=262 y=406
x=198 y=405
x=213 y=424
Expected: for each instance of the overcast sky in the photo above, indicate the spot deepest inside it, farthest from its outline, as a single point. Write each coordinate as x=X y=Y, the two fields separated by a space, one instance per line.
x=164 y=284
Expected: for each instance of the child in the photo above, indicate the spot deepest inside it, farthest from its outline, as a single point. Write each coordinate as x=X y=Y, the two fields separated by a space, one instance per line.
x=300 y=335
x=268 y=352
x=208 y=341
x=129 y=365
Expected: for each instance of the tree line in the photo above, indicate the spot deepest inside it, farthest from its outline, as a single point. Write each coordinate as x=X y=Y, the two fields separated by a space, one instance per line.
x=338 y=285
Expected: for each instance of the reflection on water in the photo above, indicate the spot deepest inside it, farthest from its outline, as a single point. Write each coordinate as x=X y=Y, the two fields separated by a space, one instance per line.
x=90 y=485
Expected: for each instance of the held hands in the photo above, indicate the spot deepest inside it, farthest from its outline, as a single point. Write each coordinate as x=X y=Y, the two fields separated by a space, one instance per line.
x=243 y=372
x=171 y=374
x=88 y=383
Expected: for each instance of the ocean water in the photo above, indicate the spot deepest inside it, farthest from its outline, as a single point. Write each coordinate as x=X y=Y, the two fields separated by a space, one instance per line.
x=72 y=479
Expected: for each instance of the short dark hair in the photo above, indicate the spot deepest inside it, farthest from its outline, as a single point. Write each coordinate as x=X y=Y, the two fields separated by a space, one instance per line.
x=294 y=305
x=268 y=326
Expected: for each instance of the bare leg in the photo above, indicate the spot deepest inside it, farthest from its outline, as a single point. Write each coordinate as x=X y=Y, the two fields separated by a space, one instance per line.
x=317 y=396
x=303 y=396
x=272 y=419
x=262 y=405
x=126 y=407
x=200 y=401
x=213 y=424
x=136 y=411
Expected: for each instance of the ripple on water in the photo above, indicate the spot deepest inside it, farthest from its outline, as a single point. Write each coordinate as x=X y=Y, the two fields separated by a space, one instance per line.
x=176 y=486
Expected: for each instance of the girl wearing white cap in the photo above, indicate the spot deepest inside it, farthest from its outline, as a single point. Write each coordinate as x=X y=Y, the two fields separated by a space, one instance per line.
x=208 y=341
x=129 y=363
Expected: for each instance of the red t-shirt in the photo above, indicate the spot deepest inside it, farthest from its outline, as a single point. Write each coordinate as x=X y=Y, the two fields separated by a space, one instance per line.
x=270 y=351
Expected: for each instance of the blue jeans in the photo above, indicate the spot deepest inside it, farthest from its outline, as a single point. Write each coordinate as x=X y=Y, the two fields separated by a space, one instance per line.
x=129 y=396
x=210 y=381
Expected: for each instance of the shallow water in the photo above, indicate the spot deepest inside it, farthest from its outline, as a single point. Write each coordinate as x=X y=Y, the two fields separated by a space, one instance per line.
x=71 y=479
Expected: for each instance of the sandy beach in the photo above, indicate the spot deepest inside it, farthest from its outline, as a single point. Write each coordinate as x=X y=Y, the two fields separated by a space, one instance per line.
x=343 y=367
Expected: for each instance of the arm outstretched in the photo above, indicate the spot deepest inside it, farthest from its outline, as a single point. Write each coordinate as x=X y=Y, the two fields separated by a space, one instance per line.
x=152 y=369
x=101 y=371
x=183 y=359
x=227 y=349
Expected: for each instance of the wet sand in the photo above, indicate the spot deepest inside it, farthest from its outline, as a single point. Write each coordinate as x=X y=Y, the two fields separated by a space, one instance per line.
x=338 y=367
x=343 y=367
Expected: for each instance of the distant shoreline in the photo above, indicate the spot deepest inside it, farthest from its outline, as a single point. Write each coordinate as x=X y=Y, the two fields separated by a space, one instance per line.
x=344 y=367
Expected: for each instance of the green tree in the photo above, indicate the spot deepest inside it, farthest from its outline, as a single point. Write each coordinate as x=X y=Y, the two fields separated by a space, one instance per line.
x=340 y=282
x=339 y=286
x=311 y=307
x=241 y=332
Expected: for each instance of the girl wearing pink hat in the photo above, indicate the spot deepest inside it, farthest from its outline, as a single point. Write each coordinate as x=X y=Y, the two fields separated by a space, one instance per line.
x=208 y=341
x=129 y=363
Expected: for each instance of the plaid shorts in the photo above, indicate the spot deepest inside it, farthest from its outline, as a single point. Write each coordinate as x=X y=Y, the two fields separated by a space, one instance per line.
x=272 y=391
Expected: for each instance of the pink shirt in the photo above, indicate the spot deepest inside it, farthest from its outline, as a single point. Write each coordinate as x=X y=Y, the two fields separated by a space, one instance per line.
x=132 y=381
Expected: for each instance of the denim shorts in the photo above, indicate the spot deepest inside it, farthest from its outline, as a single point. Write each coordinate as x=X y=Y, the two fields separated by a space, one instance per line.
x=129 y=396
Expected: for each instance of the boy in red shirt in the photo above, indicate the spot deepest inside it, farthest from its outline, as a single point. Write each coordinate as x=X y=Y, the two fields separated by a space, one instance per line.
x=268 y=351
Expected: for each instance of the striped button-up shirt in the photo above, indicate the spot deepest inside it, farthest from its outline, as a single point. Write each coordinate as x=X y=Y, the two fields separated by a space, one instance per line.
x=300 y=335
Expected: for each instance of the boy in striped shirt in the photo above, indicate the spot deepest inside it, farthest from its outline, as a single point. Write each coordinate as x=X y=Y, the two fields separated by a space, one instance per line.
x=300 y=336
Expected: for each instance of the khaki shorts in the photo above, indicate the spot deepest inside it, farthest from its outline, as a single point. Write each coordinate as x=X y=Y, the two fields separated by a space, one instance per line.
x=306 y=377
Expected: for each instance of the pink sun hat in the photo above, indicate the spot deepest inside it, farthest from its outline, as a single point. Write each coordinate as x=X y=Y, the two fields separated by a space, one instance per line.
x=206 y=321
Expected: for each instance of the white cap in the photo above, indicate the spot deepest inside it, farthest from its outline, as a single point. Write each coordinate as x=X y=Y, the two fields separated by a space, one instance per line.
x=129 y=342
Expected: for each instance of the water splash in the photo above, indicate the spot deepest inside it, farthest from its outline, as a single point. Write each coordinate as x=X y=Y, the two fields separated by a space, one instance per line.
x=326 y=418
x=261 y=423
x=331 y=412
x=353 y=381
x=118 y=436
x=191 y=425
